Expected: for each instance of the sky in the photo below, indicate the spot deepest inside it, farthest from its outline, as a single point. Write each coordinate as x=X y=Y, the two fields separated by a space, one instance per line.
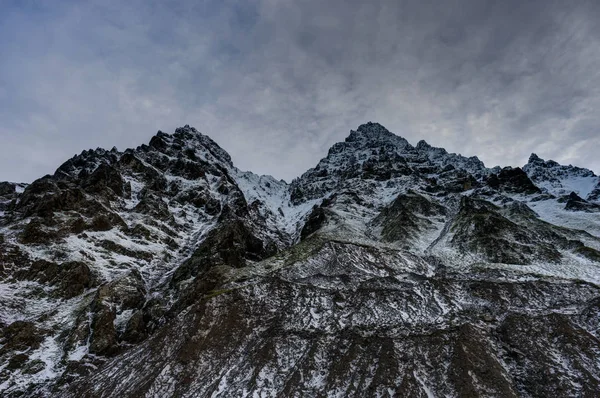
x=277 y=82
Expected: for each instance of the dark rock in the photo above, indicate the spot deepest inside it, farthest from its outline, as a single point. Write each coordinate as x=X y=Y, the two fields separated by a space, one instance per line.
x=473 y=363
x=479 y=228
x=135 y=330
x=158 y=143
x=22 y=336
x=7 y=188
x=17 y=361
x=117 y=248
x=126 y=292
x=152 y=314
x=35 y=233
x=296 y=195
x=103 y=178
x=154 y=206
x=104 y=336
x=231 y=244
x=407 y=216
x=512 y=180
x=575 y=203
x=315 y=221
x=45 y=197
x=106 y=222
x=554 y=334
x=34 y=367
x=77 y=226
x=70 y=278
x=589 y=253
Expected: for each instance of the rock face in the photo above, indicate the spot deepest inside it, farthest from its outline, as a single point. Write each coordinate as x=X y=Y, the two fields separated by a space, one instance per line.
x=386 y=270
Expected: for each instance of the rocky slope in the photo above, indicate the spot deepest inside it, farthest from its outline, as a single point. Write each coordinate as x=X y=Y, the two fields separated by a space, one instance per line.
x=386 y=270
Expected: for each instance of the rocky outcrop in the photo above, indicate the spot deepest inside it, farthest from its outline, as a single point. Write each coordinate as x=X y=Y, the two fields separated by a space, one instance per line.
x=69 y=279
x=513 y=180
x=574 y=203
x=480 y=229
x=560 y=180
x=409 y=216
x=315 y=221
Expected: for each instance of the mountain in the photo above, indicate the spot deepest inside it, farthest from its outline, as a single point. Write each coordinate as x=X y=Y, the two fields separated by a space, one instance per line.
x=386 y=270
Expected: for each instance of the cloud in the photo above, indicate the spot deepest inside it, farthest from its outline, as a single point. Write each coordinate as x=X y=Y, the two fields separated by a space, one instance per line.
x=277 y=82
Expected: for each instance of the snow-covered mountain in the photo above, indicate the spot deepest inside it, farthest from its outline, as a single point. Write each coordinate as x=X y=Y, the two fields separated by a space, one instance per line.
x=386 y=270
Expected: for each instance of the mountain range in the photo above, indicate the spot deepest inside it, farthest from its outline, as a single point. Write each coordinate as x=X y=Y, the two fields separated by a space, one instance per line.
x=387 y=270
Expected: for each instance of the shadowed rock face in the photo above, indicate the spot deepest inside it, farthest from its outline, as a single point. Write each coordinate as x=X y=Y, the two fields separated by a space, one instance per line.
x=512 y=180
x=407 y=216
x=479 y=228
x=393 y=326
x=387 y=270
x=69 y=279
x=575 y=203
x=315 y=221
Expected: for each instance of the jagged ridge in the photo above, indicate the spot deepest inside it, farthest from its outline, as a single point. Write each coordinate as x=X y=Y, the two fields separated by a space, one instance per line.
x=169 y=262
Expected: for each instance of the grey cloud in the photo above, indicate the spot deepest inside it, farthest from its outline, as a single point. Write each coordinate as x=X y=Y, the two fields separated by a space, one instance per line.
x=277 y=82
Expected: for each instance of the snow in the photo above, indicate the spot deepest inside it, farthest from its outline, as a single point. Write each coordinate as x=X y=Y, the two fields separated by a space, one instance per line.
x=21 y=295
x=389 y=281
x=136 y=188
x=275 y=197
x=553 y=212
x=79 y=353
x=426 y=388
x=571 y=268
x=560 y=180
x=50 y=354
x=582 y=186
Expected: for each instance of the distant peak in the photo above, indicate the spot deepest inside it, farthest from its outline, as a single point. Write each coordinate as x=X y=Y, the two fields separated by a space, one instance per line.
x=373 y=128
x=534 y=158
x=186 y=129
x=184 y=133
x=423 y=145
x=374 y=134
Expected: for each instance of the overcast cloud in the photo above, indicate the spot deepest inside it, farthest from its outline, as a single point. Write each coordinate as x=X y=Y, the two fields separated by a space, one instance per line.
x=276 y=83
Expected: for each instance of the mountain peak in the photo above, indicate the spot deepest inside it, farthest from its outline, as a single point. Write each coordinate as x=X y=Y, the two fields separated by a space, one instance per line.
x=373 y=135
x=373 y=128
x=423 y=145
x=188 y=139
x=371 y=132
x=560 y=180
x=186 y=129
x=534 y=158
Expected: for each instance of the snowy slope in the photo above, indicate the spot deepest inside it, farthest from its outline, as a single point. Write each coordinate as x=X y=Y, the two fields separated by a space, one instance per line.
x=165 y=270
x=559 y=180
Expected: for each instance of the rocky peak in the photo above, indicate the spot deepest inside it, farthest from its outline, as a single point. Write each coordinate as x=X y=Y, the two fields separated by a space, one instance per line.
x=188 y=142
x=86 y=162
x=8 y=192
x=512 y=180
x=422 y=145
x=371 y=135
x=560 y=180
x=374 y=154
x=7 y=188
x=533 y=158
x=371 y=129
x=555 y=169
